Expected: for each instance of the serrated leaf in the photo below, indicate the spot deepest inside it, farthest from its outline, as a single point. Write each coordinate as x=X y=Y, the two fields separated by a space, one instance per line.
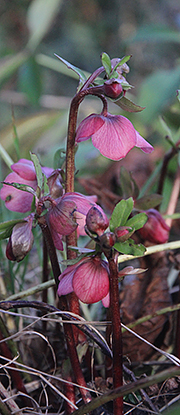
x=79 y=72
x=130 y=248
x=137 y=221
x=121 y=213
x=106 y=62
x=148 y=201
x=128 y=105
x=38 y=169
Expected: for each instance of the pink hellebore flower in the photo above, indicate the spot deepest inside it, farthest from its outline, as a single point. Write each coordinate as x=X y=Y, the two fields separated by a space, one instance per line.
x=113 y=135
x=23 y=173
x=89 y=279
x=66 y=213
x=83 y=204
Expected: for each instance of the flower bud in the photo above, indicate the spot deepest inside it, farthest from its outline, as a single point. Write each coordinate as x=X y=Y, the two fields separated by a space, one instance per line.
x=55 y=184
x=21 y=240
x=123 y=233
x=96 y=220
x=113 y=88
x=107 y=240
x=155 y=229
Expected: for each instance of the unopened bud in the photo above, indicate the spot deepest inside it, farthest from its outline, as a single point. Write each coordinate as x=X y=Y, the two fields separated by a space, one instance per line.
x=55 y=184
x=113 y=88
x=96 y=220
x=20 y=241
x=155 y=229
x=123 y=233
x=107 y=240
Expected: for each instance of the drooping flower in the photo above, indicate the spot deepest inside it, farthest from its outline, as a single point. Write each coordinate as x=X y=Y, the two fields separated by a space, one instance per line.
x=155 y=229
x=113 y=135
x=88 y=278
x=21 y=240
x=68 y=213
x=83 y=204
x=23 y=173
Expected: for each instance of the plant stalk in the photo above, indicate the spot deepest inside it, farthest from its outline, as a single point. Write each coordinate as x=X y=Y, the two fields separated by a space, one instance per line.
x=116 y=334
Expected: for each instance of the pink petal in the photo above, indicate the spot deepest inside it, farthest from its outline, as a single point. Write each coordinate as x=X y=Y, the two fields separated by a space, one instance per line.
x=25 y=169
x=83 y=203
x=143 y=144
x=57 y=239
x=115 y=138
x=91 y=281
x=47 y=171
x=61 y=217
x=65 y=285
x=88 y=127
x=106 y=301
x=17 y=200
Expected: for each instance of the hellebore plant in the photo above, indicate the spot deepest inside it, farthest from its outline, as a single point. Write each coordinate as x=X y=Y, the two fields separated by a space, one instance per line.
x=65 y=214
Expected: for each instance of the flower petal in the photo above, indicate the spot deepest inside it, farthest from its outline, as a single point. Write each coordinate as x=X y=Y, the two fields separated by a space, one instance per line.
x=61 y=217
x=143 y=144
x=88 y=127
x=65 y=285
x=15 y=199
x=25 y=169
x=115 y=138
x=91 y=280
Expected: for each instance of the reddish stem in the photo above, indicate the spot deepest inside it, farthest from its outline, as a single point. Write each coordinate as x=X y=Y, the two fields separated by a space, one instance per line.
x=64 y=306
x=116 y=335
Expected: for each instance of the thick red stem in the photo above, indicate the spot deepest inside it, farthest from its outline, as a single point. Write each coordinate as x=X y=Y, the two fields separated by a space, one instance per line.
x=116 y=335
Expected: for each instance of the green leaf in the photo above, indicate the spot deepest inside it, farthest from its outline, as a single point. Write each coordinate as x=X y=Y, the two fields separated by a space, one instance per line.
x=121 y=213
x=22 y=187
x=6 y=228
x=122 y=61
x=30 y=80
x=128 y=184
x=38 y=169
x=10 y=64
x=106 y=62
x=137 y=221
x=158 y=91
x=128 y=105
x=148 y=201
x=59 y=158
x=40 y=16
x=130 y=248
x=79 y=72
x=153 y=33
x=178 y=95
